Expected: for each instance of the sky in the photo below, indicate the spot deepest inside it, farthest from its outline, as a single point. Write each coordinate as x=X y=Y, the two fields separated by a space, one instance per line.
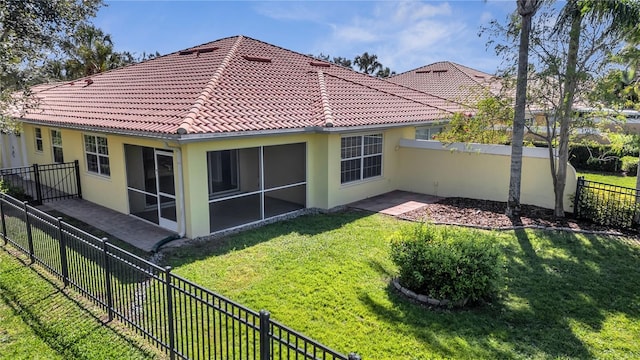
x=403 y=34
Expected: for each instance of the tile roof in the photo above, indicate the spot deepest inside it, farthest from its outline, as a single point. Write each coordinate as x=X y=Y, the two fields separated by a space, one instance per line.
x=449 y=80
x=232 y=85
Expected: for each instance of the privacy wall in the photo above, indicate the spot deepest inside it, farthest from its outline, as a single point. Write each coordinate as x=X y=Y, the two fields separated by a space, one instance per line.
x=478 y=171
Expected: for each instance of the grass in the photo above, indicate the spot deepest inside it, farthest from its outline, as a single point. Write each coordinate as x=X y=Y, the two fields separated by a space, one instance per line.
x=39 y=321
x=614 y=179
x=564 y=295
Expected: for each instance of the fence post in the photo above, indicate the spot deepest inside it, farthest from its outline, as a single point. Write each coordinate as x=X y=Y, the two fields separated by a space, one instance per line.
x=36 y=179
x=4 y=224
x=576 y=199
x=354 y=356
x=77 y=169
x=29 y=235
x=170 y=321
x=265 y=349
x=63 y=254
x=107 y=278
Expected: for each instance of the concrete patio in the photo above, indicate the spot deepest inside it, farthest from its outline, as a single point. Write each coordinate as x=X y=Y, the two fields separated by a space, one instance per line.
x=127 y=228
x=395 y=203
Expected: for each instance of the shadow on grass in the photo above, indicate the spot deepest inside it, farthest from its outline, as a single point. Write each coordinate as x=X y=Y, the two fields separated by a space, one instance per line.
x=554 y=282
x=304 y=225
x=60 y=320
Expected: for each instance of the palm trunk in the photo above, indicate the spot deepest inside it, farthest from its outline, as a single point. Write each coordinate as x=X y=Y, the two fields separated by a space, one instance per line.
x=526 y=9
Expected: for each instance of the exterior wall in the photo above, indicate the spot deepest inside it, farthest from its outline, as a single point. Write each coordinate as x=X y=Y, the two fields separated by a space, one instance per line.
x=109 y=191
x=196 y=176
x=392 y=160
x=479 y=172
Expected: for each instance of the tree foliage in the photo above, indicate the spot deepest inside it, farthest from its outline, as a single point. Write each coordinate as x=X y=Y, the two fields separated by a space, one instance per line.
x=489 y=124
x=30 y=31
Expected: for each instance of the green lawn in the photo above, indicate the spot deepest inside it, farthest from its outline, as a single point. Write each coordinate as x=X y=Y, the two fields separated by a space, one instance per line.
x=38 y=321
x=564 y=295
x=614 y=179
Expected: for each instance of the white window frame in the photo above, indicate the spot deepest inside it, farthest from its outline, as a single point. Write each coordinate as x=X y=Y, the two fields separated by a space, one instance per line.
x=56 y=145
x=430 y=131
x=39 y=143
x=361 y=156
x=99 y=155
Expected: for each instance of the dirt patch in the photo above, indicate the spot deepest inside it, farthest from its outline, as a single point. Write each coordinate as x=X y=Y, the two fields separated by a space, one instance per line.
x=490 y=215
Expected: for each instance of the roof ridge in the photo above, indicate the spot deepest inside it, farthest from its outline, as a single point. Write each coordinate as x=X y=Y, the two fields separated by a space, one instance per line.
x=397 y=95
x=326 y=107
x=190 y=118
x=463 y=69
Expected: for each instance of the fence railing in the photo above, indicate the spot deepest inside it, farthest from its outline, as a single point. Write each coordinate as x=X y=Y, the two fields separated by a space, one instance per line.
x=39 y=183
x=606 y=204
x=184 y=319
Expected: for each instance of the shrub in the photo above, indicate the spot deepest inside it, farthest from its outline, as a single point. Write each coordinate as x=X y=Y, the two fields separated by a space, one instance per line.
x=629 y=164
x=447 y=263
x=609 y=208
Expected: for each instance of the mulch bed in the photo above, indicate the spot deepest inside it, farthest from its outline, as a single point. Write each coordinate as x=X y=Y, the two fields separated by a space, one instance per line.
x=487 y=214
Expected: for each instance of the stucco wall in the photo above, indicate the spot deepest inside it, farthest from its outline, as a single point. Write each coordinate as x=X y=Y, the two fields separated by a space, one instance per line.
x=109 y=191
x=479 y=172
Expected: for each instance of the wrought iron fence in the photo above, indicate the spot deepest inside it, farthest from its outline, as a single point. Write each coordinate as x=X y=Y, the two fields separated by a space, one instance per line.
x=184 y=319
x=607 y=204
x=39 y=183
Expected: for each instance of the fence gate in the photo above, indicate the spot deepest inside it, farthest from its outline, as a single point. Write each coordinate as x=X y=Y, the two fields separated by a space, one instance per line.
x=39 y=183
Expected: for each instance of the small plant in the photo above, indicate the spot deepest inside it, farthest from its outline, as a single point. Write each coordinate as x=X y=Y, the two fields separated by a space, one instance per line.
x=629 y=165
x=447 y=263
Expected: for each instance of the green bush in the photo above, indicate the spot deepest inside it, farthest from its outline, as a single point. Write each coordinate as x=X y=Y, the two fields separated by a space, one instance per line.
x=447 y=263
x=609 y=208
x=629 y=165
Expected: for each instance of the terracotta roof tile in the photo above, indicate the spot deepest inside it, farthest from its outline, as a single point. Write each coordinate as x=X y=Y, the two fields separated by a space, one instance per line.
x=234 y=84
x=449 y=80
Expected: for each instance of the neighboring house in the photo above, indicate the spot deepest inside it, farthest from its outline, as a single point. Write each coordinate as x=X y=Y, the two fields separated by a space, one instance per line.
x=448 y=80
x=238 y=131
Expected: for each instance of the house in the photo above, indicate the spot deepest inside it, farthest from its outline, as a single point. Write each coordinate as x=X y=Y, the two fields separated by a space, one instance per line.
x=456 y=83
x=237 y=132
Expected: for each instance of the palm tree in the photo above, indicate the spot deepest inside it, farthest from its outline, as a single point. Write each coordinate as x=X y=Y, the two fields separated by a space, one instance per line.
x=368 y=64
x=385 y=73
x=526 y=10
x=91 y=52
x=621 y=16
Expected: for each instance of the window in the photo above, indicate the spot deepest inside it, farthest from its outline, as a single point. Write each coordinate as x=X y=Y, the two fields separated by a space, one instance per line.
x=56 y=145
x=39 y=146
x=361 y=157
x=428 y=132
x=97 y=154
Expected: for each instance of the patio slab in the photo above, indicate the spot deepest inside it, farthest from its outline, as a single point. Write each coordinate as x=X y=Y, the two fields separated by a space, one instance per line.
x=395 y=203
x=127 y=228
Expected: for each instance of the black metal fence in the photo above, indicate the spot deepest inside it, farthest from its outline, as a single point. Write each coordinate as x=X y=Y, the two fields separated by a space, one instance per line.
x=39 y=183
x=607 y=204
x=184 y=319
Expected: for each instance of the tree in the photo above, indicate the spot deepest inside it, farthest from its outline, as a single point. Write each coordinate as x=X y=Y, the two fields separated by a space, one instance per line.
x=618 y=17
x=30 y=30
x=566 y=56
x=488 y=125
x=368 y=64
x=526 y=10
x=385 y=73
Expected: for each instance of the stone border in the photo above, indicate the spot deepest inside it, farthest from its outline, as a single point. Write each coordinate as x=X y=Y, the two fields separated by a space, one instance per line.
x=424 y=299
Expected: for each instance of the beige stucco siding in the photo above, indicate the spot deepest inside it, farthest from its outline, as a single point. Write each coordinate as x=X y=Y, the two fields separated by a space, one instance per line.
x=479 y=172
x=109 y=191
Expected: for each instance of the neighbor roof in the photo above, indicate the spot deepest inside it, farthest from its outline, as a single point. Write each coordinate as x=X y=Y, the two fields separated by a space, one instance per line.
x=232 y=85
x=449 y=80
